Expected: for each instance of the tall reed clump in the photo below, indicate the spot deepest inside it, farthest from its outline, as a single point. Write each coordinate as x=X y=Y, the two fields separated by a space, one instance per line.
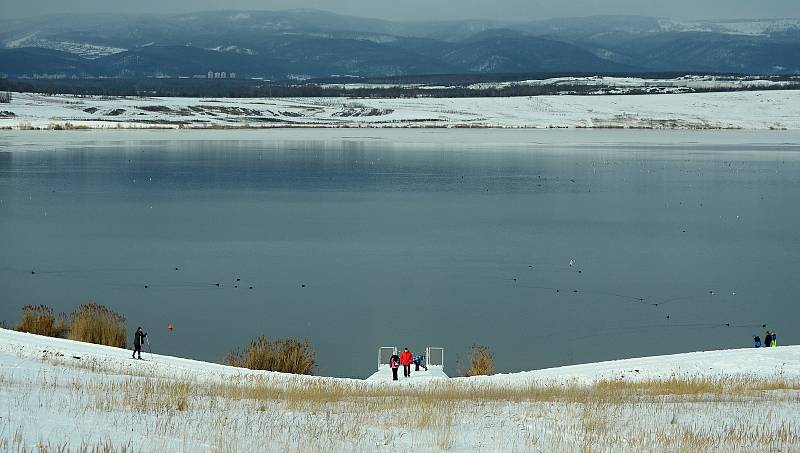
x=481 y=361
x=285 y=355
x=95 y=323
x=39 y=319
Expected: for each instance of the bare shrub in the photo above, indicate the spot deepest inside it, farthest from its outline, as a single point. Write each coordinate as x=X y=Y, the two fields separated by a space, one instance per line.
x=285 y=355
x=39 y=319
x=5 y=97
x=94 y=323
x=481 y=361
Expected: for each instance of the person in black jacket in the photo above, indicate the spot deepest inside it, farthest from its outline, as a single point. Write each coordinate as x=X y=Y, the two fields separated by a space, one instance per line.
x=138 y=339
x=394 y=364
x=768 y=340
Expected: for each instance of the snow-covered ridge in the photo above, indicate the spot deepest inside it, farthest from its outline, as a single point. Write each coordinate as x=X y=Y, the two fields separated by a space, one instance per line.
x=757 y=110
x=754 y=27
x=781 y=362
x=603 y=84
x=622 y=85
x=86 y=50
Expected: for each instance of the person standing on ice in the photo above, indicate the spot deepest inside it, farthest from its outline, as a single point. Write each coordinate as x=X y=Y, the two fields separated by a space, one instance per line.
x=774 y=340
x=138 y=339
x=757 y=341
x=768 y=340
x=405 y=359
x=394 y=364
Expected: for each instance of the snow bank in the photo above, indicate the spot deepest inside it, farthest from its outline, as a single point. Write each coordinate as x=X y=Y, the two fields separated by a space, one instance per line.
x=782 y=362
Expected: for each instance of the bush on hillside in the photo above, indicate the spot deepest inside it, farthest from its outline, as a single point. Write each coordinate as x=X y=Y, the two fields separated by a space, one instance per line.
x=481 y=361
x=94 y=323
x=39 y=319
x=284 y=355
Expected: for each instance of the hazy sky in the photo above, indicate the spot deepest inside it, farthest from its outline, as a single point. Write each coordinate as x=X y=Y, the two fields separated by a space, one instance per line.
x=432 y=9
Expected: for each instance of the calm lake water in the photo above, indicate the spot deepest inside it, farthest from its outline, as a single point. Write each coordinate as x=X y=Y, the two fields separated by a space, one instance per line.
x=359 y=239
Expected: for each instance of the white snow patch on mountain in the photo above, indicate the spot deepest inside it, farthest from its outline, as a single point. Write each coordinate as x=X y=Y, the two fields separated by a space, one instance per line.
x=86 y=50
x=756 y=27
x=234 y=49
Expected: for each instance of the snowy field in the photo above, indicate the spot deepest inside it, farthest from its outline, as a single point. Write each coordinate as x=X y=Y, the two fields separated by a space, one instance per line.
x=754 y=110
x=59 y=395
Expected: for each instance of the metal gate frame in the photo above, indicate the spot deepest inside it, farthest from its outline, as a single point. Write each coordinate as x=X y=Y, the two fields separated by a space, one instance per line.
x=380 y=355
x=428 y=355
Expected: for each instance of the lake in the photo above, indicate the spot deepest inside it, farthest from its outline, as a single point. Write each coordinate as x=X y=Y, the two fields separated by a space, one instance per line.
x=678 y=241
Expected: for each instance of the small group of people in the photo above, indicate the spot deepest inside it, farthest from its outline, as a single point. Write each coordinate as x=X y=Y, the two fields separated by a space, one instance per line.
x=406 y=358
x=770 y=340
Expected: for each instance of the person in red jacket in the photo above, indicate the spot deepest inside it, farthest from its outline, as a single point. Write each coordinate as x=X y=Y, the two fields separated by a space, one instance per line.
x=406 y=358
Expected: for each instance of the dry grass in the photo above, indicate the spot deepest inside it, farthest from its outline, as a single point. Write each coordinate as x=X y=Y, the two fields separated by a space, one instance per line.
x=94 y=323
x=16 y=445
x=27 y=126
x=40 y=320
x=481 y=361
x=278 y=413
x=284 y=355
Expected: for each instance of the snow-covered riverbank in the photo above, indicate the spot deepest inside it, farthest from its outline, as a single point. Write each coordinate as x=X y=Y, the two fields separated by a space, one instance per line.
x=62 y=393
x=758 y=110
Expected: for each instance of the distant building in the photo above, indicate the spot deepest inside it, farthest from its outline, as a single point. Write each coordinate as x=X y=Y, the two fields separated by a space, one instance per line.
x=221 y=75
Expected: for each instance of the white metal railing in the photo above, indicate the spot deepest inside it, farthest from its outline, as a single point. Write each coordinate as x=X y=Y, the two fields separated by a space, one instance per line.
x=434 y=356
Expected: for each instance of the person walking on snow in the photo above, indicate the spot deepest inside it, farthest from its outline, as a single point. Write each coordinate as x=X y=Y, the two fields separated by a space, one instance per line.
x=768 y=340
x=774 y=340
x=138 y=339
x=394 y=364
x=757 y=341
x=419 y=361
x=405 y=359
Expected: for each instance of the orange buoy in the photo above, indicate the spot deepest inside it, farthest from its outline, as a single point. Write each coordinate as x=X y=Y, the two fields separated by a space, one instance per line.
x=169 y=327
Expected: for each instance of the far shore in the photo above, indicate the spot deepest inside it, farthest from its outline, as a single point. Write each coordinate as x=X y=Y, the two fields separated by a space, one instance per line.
x=718 y=111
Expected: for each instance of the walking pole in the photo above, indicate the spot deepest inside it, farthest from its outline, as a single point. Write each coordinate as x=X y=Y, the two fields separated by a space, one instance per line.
x=149 y=349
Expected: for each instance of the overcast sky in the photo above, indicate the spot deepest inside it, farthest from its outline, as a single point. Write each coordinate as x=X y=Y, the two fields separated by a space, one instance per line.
x=432 y=9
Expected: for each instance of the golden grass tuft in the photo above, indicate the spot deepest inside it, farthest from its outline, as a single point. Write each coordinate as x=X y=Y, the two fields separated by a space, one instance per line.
x=481 y=361
x=285 y=355
x=94 y=323
x=40 y=320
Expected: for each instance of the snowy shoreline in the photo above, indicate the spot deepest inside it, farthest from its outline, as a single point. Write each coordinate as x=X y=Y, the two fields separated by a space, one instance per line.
x=67 y=396
x=750 y=110
x=783 y=361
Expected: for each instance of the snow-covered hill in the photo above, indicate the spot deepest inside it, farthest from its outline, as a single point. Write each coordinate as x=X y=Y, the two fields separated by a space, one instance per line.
x=86 y=50
x=753 y=27
x=774 y=109
x=66 y=395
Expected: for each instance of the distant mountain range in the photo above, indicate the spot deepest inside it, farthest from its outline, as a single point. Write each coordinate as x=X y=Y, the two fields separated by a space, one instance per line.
x=301 y=44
